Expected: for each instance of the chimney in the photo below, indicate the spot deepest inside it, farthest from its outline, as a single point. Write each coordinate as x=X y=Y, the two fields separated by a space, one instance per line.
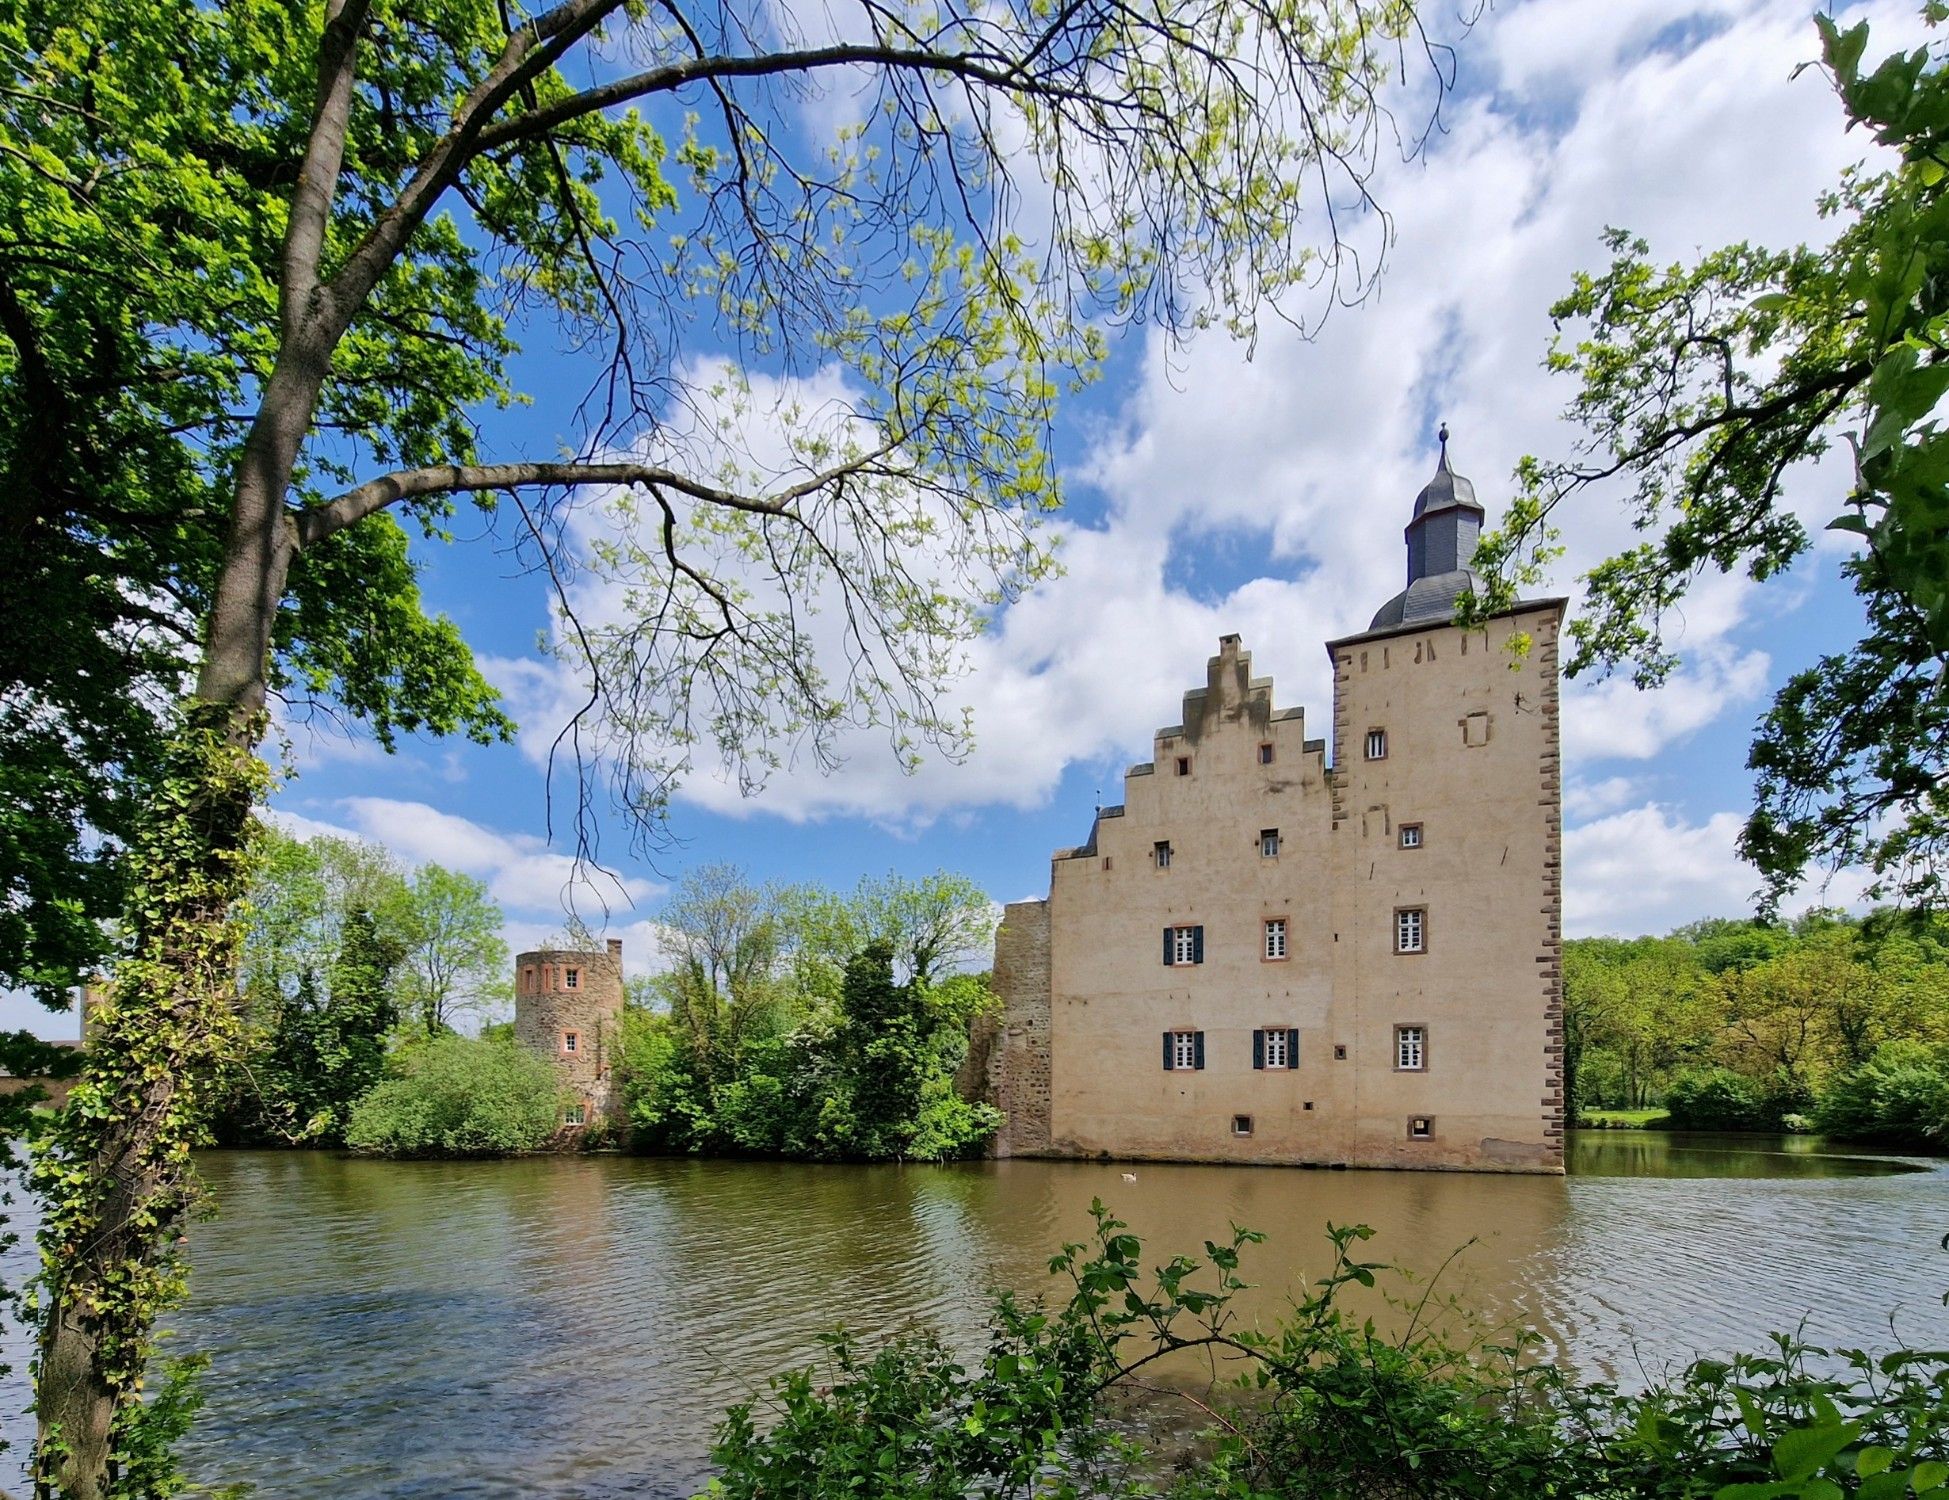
x=616 y=951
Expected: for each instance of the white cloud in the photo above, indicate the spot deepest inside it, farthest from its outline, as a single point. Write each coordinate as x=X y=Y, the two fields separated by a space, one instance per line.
x=1683 y=122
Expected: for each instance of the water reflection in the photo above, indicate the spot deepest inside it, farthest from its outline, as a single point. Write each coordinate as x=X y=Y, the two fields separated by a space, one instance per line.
x=572 y=1328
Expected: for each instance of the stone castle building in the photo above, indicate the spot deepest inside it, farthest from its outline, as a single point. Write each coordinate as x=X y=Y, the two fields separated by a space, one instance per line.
x=568 y=1006
x=1337 y=950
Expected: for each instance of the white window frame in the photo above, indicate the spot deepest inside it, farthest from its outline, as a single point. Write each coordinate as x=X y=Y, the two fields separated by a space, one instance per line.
x=1184 y=946
x=1410 y=835
x=1160 y=852
x=571 y=979
x=1275 y=937
x=571 y=1043
x=576 y=1114
x=1411 y=930
x=1377 y=744
x=1246 y=1121
x=1184 y=1051
x=1275 y=1048
x=1410 y=1049
x=1268 y=843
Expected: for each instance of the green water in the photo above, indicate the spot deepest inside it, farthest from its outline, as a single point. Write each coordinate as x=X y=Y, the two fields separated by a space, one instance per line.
x=572 y=1327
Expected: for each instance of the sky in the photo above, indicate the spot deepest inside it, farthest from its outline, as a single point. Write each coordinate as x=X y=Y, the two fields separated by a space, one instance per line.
x=1215 y=488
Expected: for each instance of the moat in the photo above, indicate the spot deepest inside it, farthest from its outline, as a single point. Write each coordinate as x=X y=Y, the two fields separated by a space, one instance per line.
x=571 y=1328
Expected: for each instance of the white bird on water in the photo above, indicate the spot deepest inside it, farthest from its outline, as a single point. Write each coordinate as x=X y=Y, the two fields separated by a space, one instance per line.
x=1129 y=1176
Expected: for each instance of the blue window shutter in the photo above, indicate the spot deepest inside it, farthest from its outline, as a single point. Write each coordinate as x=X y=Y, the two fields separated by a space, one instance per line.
x=1167 y=945
x=1292 y=1046
x=1197 y=1049
x=1198 y=946
x=1167 y=1052
x=1258 y=1049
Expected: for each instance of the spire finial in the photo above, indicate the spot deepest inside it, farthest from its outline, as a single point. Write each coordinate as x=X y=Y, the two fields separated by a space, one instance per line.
x=1443 y=435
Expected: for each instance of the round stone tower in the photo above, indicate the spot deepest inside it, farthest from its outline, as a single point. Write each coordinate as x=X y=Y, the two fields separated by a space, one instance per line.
x=568 y=1006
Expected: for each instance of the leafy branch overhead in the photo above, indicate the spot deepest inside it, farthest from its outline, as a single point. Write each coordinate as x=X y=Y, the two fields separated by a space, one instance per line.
x=1712 y=390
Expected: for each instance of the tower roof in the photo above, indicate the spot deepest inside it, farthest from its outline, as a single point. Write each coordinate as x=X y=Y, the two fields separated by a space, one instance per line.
x=1441 y=538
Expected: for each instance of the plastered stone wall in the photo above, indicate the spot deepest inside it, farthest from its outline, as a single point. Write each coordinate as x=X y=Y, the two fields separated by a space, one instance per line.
x=568 y=1006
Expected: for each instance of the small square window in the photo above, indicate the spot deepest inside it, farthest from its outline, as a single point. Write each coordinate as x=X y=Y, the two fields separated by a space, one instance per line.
x=1265 y=753
x=1184 y=765
x=571 y=1041
x=572 y=979
x=1377 y=744
x=1410 y=1049
x=1411 y=930
x=1161 y=853
x=1307 y=1105
x=1421 y=1128
x=576 y=1114
x=1268 y=843
x=1241 y=1124
x=1410 y=835
x=1275 y=937
x=1339 y=1052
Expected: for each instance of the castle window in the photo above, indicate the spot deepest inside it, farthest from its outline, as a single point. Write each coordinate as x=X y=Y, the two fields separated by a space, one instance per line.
x=1184 y=765
x=1377 y=744
x=1410 y=1049
x=1184 y=1051
x=1161 y=852
x=1184 y=945
x=1265 y=753
x=1275 y=1047
x=1241 y=1124
x=528 y=979
x=576 y=1114
x=1421 y=1128
x=1410 y=835
x=571 y=979
x=1275 y=937
x=1411 y=930
x=1339 y=1052
x=1268 y=843
x=571 y=1042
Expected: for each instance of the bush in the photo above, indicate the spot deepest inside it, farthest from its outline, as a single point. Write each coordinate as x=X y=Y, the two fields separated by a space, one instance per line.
x=1900 y=1096
x=458 y=1096
x=1720 y=1099
x=1326 y=1407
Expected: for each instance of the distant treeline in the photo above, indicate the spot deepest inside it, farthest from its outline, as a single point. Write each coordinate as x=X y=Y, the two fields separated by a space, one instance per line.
x=1831 y=1022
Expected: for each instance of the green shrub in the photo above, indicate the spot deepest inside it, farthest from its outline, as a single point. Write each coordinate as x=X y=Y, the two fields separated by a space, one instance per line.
x=1324 y=1407
x=458 y=1096
x=1900 y=1096
x=1720 y=1099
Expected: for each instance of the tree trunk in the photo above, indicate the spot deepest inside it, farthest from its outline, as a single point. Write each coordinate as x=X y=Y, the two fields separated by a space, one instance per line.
x=116 y=1176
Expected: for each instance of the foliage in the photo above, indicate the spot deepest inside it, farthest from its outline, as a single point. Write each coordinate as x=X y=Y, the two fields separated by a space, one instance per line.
x=1323 y=1405
x=1713 y=386
x=458 y=1096
x=1900 y=1096
x=454 y=963
x=774 y=1040
x=1785 y=1009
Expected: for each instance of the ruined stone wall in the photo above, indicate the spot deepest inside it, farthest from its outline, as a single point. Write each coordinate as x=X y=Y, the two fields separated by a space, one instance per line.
x=1015 y=1044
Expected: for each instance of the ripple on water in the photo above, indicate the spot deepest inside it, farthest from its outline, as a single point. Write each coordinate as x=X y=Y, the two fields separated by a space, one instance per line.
x=573 y=1328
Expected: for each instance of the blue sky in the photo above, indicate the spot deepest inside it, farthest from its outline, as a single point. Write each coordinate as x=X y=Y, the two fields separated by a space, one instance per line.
x=1212 y=489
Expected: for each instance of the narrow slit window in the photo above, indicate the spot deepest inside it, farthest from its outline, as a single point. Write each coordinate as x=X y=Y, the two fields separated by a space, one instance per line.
x=1184 y=765
x=1265 y=753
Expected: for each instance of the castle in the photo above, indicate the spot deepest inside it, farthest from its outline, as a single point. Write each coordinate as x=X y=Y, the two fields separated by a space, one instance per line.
x=568 y=1007
x=1267 y=955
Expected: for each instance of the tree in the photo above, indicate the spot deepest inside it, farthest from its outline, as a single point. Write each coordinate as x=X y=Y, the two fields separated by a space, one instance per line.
x=1707 y=387
x=454 y=960
x=264 y=266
